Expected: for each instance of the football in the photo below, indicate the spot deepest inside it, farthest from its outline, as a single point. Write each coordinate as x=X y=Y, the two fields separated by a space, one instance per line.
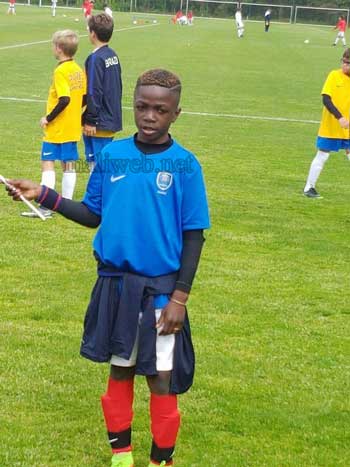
x=306 y=41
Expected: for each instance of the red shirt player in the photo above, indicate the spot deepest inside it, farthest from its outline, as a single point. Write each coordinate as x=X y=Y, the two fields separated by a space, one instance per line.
x=87 y=8
x=11 y=10
x=190 y=17
x=341 y=26
x=176 y=18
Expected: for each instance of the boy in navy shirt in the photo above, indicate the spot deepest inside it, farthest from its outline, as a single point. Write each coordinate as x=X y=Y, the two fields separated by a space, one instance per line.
x=147 y=196
x=103 y=115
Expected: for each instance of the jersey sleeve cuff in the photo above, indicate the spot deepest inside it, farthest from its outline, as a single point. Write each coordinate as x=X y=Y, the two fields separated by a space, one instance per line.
x=49 y=198
x=183 y=286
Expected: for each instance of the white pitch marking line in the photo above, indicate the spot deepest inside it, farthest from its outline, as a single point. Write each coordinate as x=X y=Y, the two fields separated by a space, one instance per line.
x=200 y=114
x=20 y=99
x=82 y=35
x=248 y=117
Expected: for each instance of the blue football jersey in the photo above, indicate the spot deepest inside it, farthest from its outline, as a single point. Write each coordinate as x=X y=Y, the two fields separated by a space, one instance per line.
x=145 y=203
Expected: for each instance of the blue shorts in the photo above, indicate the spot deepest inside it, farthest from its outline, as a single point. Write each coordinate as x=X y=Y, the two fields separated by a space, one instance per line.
x=94 y=145
x=332 y=144
x=64 y=152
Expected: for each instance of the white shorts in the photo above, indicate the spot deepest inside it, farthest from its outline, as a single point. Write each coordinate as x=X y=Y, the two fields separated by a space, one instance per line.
x=164 y=350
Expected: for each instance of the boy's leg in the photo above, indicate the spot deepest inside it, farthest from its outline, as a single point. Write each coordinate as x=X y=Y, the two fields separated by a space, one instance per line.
x=118 y=413
x=165 y=418
x=315 y=170
x=69 y=154
x=89 y=152
x=69 y=179
x=48 y=176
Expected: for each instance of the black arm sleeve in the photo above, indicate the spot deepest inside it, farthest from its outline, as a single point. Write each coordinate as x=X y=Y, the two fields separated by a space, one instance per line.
x=327 y=102
x=192 y=247
x=61 y=105
x=78 y=212
x=72 y=210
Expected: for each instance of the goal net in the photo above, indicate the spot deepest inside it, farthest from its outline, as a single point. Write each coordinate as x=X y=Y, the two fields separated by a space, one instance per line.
x=324 y=16
x=256 y=12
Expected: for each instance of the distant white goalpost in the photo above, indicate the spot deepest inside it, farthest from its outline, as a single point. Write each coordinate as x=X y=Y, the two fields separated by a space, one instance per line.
x=251 y=11
x=318 y=15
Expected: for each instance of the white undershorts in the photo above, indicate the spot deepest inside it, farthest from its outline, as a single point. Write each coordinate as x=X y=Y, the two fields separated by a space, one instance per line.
x=164 y=350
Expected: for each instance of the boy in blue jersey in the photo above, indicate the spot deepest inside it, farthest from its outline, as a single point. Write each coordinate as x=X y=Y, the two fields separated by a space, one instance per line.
x=147 y=196
x=103 y=115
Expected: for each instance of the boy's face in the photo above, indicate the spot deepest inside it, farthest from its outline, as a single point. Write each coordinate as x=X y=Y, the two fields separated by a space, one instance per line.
x=345 y=65
x=92 y=37
x=56 y=51
x=155 y=109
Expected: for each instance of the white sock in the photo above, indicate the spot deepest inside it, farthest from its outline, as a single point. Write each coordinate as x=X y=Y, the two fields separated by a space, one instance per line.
x=48 y=178
x=315 y=169
x=68 y=184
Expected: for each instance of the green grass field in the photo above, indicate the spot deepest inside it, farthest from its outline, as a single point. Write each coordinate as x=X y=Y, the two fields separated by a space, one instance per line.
x=270 y=305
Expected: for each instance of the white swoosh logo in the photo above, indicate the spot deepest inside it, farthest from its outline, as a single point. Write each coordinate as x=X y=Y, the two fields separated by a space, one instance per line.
x=47 y=153
x=115 y=179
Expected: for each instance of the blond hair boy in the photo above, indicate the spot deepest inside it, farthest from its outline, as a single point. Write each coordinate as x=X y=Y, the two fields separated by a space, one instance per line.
x=62 y=122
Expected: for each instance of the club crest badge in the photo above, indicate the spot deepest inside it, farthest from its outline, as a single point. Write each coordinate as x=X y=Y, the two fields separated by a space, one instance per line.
x=164 y=180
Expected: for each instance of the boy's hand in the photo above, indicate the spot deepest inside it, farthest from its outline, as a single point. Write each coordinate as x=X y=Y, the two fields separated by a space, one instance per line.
x=43 y=122
x=89 y=130
x=30 y=190
x=171 y=319
x=173 y=315
x=343 y=122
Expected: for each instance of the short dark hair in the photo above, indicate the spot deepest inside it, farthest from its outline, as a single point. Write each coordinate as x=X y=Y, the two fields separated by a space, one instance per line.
x=346 y=54
x=102 y=25
x=162 y=78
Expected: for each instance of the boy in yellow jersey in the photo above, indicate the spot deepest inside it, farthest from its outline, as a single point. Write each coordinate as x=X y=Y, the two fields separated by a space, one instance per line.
x=333 y=133
x=62 y=122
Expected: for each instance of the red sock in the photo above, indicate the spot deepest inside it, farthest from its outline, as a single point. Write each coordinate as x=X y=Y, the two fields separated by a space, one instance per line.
x=118 y=413
x=165 y=423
